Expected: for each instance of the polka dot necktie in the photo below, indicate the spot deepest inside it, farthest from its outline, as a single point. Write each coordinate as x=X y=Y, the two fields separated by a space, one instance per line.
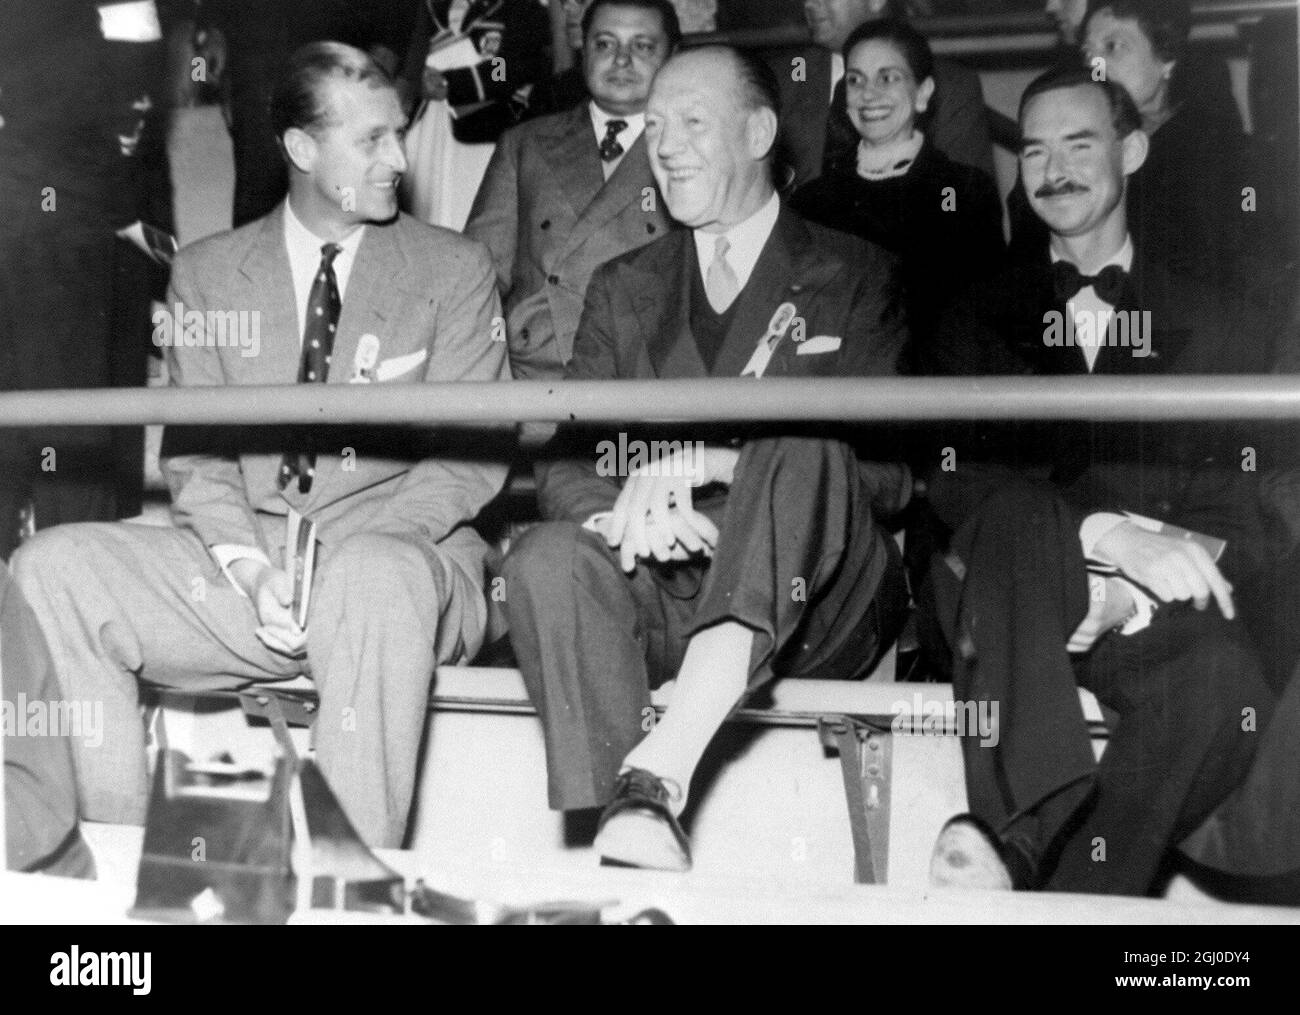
x=323 y=306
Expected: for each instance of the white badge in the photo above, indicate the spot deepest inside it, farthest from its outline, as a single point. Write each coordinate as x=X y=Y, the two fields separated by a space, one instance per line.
x=776 y=329
x=363 y=362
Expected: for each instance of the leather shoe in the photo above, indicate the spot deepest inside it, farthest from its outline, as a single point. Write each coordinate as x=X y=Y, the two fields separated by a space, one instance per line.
x=638 y=828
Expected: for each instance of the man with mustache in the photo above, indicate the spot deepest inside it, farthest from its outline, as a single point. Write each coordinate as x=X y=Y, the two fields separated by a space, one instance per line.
x=567 y=192
x=1097 y=555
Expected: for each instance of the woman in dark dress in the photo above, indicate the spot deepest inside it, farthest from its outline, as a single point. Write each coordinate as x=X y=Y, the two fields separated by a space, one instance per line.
x=942 y=219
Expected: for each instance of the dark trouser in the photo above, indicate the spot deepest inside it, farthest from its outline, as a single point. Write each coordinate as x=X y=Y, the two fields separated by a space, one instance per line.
x=1188 y=690
x=1254 y=837
x=73 y=302
x=40 y=788
x=799 y=561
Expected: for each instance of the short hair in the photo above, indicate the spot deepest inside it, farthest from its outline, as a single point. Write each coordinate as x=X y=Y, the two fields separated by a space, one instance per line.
x=1166 y=23
x=1124 y=115
x=903 y=37
x=298 y=96
x=667 y=15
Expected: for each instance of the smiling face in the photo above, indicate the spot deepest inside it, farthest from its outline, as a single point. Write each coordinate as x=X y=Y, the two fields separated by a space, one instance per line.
x=707 y=148
x=347 y=170
x=1073 y=164
x=623 y=50
x=884 y=97
x=1129 y=58
x=831 y=21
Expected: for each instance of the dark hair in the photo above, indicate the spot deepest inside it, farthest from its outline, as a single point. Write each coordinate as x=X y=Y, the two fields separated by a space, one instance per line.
x=903 y=37
x=1124 y=115
x=297 y=99
x=1167 y=23
x=667 y=15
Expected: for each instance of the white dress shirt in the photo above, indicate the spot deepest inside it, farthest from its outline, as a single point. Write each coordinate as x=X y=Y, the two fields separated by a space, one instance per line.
x=303 y=247
x=626 y=137
x=304 y=250
x=1087 y=303
x=747 y=240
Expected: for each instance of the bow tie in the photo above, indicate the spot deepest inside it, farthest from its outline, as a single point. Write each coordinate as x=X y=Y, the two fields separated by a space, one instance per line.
x=1107 y=283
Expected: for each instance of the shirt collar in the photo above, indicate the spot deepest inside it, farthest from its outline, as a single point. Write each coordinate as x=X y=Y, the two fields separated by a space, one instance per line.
x=299 y=239
x=627 y=136
x=1122 y=257
x=747 y=240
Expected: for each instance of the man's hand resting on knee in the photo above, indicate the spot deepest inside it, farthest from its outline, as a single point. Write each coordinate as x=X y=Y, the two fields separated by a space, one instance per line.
x=271 y=590
x=1171 y=568
x=653 y=517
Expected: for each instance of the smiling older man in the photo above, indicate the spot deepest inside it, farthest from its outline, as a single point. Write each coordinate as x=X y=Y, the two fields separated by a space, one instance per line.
x=735 y=555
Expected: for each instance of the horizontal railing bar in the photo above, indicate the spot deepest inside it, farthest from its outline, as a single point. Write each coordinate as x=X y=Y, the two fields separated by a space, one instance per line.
x=731 y=399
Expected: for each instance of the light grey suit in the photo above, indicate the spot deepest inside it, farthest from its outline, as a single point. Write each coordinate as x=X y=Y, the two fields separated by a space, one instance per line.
x=399 y=581
x=550 y=218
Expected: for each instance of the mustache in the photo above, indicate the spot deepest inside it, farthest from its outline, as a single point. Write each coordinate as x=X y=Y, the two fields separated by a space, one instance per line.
x=1047 y=190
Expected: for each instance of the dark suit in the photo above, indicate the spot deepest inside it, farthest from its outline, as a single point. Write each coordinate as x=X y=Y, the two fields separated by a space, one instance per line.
x=815 y=131
x=513 y=38
x=73 y=297
x=1013 y=590
x=943 y=221
x=592 y=641
x=550 y=218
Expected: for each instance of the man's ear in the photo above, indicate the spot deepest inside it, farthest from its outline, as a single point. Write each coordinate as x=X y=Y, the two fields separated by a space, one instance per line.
x=301 y=149
x=924 y=94
x=761 y=129
x=1133 y=150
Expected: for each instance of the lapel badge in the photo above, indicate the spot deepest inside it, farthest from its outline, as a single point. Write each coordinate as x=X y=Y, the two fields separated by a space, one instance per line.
x=363 y=363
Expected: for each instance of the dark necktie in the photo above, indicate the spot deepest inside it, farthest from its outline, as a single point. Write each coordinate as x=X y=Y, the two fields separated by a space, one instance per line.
x=1107 y=283
x=610 y=149
x=323 y=306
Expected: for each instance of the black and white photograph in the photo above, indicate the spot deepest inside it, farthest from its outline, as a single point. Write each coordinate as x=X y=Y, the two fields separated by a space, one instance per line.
x=651 y=462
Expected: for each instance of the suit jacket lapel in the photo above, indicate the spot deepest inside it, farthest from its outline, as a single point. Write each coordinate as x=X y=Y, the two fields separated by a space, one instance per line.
x=375 y=285
x=265 y=271
x=768 y=286
x=626 y=185
x=662 y=303
x=571 y=153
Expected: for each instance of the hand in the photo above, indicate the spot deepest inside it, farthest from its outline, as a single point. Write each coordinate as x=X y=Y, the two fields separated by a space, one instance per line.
x=1105 y=611
x=1173 y=569
x=271 y=590
x=434 y=85
x=653 y=518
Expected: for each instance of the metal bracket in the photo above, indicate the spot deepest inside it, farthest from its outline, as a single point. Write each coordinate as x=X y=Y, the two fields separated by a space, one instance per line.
x=866 y=757
x=271 y=705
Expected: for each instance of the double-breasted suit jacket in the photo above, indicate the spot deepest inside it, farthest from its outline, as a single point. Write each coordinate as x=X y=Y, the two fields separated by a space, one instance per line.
x=550 y=218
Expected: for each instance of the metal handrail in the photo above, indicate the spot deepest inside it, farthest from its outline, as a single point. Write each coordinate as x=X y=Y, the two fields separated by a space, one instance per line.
x=1260 y=397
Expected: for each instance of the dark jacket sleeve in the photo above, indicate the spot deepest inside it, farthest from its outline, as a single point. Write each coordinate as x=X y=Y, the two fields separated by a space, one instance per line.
x=568 y=486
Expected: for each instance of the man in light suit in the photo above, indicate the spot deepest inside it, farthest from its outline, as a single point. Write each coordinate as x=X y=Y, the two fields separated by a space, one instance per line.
x=739 y=554
x=816 y=121
x=567 y=192
x=346 y=291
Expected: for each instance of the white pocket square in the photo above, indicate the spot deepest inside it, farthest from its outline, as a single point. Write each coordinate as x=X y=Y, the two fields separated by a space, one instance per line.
x=818 y=344
x=399 y=365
